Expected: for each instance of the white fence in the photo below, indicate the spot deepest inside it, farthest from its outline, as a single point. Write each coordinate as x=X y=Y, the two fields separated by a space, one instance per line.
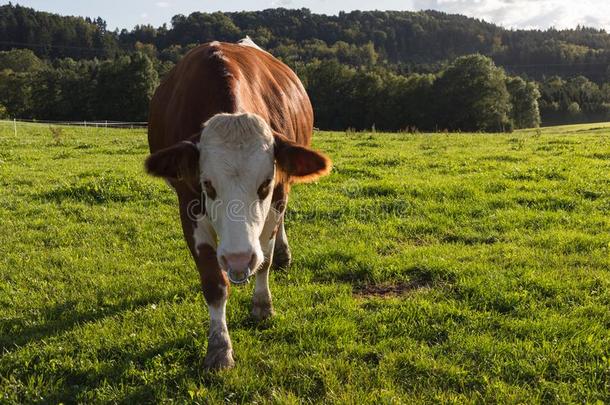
x=87 y=124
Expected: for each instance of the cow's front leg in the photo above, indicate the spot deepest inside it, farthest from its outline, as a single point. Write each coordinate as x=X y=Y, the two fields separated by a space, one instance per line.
x=215 y=288
x=261 y=299
x=282 y=257
x=281 y=251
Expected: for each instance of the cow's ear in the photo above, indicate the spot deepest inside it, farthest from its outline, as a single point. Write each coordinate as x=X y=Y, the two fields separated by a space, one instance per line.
x=178 y=162
x=299 y=162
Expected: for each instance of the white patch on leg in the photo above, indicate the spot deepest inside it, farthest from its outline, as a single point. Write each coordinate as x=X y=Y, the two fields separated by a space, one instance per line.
x=219 y=333
x=281 y=235
x=262 y=276
x=220 y=349
x=261 y=288
x=271 y=223
x=218 y=312
x=261 y=299
x=203 y=233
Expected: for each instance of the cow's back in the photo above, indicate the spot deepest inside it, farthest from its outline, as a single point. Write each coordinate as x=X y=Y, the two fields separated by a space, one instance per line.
x=223 y=77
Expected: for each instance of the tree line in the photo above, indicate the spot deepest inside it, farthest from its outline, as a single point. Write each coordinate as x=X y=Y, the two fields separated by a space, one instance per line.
x=114 y=89
x=390 y=70
x=470 y=94
x=402 y=40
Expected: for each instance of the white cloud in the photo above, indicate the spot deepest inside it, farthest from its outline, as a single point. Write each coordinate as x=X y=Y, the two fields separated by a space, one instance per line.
x=281 y=3
x=163 y=4
x=528 y=13
x=144 y=16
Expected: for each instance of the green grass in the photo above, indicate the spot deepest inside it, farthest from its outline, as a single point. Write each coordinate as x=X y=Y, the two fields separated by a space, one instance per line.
x=495 y=250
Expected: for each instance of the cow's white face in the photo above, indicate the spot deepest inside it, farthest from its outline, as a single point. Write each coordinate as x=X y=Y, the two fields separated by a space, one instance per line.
x=237 y=162
x=237 y=174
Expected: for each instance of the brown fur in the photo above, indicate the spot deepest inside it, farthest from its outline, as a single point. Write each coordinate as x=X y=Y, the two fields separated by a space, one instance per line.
x=223 y=77
x=209 y=273
x=279 y=199
x=181 y=166
x=205 y=256
x=300 y=163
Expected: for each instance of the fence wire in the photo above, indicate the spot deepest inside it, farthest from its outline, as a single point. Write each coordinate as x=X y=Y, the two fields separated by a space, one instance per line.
x=84 y=124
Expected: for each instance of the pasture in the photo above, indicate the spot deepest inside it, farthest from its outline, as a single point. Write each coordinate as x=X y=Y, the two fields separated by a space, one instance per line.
x=427 y=268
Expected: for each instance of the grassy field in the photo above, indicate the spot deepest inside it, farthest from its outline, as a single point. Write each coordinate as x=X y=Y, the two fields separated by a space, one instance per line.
x=427 y=268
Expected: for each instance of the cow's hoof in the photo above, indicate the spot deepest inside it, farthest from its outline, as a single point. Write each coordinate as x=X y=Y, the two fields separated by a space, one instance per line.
x=261 y=307
x=262 y=312
x=219 y=359
x=282 y=258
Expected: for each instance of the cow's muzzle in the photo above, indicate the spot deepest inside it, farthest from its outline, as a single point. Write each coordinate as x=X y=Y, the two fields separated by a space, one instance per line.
x=239 y=277
x=238 y=266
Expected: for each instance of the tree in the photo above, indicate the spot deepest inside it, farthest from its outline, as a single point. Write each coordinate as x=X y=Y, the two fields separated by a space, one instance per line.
x=328 y=86
x=65 y=92
x=20 y=60
x=524 y=97
x=54 y=36
x=408 y=102
x=16 y=93
x=574 y=109
x=125 y=87
x=3 y=112
x=471 y=95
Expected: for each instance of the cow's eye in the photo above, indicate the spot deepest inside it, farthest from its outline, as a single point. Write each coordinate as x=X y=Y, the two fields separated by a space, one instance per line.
x=209 y=189
x=264 y=189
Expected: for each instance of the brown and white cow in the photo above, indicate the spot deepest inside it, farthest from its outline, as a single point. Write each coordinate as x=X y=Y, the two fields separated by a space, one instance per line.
x=229 y=129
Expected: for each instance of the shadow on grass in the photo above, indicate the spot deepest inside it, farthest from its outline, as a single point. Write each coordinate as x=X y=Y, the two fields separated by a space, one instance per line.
x=341 y=267
x=80 y=384
x=101 y=190
x=118 y=364
x=65 y=316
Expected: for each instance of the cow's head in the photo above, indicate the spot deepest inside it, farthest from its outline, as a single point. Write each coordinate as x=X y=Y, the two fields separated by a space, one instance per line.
x=238 y=161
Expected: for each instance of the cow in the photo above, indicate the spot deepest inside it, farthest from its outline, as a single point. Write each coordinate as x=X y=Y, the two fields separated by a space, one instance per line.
x=230 y=129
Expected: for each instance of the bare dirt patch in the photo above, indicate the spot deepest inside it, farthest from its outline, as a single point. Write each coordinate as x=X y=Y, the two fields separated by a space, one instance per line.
x=390 y=290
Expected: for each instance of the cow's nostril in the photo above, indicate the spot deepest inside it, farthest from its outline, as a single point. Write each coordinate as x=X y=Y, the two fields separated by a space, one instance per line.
x=238 y=266
x=239 y=262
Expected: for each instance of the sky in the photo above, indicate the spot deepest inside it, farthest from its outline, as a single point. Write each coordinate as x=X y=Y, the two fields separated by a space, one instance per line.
x=508 y=13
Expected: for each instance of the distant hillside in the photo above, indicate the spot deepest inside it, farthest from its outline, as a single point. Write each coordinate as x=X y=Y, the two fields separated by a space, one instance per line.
x=389 y=70
x=400 y=40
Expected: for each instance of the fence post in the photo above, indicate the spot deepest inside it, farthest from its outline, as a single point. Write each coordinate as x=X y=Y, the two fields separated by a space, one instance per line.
x=15 y=125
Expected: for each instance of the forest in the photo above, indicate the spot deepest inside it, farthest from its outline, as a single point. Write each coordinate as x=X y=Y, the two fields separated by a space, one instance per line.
x=388 y=70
